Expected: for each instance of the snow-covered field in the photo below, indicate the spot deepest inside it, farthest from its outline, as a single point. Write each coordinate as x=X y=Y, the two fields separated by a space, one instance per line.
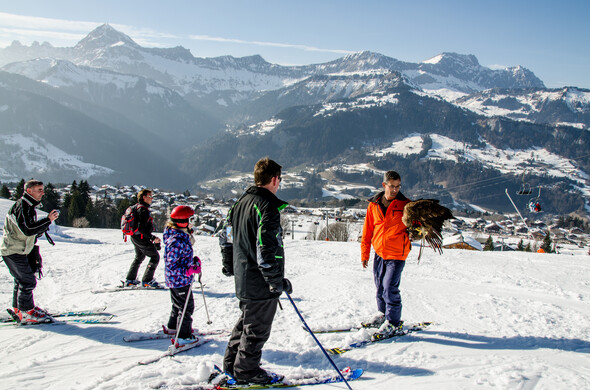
x=504 y=320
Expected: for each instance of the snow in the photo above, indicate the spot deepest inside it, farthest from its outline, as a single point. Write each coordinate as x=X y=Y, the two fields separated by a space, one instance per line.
x=434 y=60
x=507 y=161
x=38 y=155
x=506 y=320
x=528 y=103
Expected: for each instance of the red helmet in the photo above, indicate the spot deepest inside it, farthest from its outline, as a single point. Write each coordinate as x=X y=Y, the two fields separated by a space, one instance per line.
x=181 y=214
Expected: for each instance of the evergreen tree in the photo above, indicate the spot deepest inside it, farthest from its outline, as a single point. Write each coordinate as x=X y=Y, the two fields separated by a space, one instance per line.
x=107 y=215
x=520 y=246
x=528 y=247
x=546 y=246
x=76 y=208
x=84 y=190
x=4 y=192
x=489 y=245
x=122 y=205
x=63 y=217
x=19 y=190
x=90 y=214
x=51 y=198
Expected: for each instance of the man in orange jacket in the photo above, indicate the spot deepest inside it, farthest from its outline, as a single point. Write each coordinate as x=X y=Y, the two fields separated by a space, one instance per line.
x=384 y=230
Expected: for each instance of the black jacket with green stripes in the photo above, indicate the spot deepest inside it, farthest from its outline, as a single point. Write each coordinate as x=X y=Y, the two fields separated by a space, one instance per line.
x=252 y=244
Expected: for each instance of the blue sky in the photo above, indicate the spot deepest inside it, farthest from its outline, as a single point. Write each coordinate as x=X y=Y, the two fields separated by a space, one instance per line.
x=551 y=38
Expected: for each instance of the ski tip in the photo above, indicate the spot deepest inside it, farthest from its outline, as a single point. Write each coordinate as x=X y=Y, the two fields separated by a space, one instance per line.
x=357 y=373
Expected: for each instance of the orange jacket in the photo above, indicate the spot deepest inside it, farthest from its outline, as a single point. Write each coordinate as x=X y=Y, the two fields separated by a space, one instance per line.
x=387 y=233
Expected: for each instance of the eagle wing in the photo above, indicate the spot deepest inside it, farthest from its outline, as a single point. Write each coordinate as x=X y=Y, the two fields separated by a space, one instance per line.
x=424 y=219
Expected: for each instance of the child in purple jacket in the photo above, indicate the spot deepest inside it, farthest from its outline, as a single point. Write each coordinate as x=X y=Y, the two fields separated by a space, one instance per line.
x=180 y=266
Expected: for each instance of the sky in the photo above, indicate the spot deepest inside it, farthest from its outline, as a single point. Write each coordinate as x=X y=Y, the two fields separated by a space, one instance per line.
x=549 y=38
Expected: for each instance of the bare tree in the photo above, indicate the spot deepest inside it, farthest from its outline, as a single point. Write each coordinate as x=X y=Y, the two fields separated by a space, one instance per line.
x=80 y=222
x=337 y=231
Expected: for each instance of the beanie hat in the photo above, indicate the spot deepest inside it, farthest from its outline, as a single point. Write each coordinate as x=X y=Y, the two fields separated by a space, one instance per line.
x=181 y=214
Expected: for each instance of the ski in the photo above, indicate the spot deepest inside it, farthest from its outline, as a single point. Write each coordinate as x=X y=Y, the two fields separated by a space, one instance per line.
x=128 y=288
x=229 y=383
x=363 y=325
x=406 y=331
x=82 y=313
x=65 y=320
x=334 y=330
x=173 y=350
x=75 y=313
x=160 y=335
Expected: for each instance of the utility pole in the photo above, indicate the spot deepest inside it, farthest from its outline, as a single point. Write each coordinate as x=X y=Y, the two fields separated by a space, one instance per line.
x=327 y=239
x=292 y=229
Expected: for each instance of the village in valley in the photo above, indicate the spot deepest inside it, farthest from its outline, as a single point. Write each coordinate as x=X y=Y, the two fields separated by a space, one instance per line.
x=474 y=230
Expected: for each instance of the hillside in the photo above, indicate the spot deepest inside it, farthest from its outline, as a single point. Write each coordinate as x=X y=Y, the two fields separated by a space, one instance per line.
x=502 y=319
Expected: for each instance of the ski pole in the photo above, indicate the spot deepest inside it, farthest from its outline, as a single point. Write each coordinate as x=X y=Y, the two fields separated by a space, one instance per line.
x=204 y=301
x=179 y=324
x=318 y=342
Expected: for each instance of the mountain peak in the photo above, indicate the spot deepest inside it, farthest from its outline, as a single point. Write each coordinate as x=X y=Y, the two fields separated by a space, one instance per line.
x=450 y=58
x=105 y=36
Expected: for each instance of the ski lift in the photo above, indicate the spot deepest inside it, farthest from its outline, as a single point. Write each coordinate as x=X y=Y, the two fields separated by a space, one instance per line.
x=535 y=204
x=525 y=189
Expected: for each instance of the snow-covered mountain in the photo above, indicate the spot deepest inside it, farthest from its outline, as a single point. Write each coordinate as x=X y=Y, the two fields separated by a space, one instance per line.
x=567 y=106
x=178 y=69
x=151 y=105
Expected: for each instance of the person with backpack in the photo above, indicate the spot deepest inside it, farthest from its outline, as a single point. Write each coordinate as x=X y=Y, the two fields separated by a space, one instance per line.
x=145 y=243
x=21 y=255
x=180 y=266
x=252 y=250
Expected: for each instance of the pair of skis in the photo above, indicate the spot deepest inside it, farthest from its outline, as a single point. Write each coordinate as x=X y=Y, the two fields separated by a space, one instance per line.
x=166 y=334
x=407 y=329
x=174 y=348
x=220 y=380
x=96 y=316
x=122 y=287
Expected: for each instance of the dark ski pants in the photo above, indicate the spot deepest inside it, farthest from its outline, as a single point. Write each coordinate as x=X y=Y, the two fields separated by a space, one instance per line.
x=144 y=249
x=244 y=349
x=24 y=281
x=179 y=297
x=388 y=274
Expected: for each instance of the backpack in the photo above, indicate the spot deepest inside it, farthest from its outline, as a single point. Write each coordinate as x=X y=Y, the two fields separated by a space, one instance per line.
x=129 y=221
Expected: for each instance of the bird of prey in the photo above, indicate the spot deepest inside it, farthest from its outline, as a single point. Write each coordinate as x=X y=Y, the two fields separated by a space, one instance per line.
x=424 y=219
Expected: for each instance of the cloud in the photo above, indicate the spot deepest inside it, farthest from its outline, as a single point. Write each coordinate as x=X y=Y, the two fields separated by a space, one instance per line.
x=39 y=28
x=497 y=67
x=268 y=44
x=34 y=23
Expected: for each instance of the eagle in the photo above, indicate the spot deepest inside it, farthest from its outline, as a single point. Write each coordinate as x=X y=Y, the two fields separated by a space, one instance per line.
x=424 y=219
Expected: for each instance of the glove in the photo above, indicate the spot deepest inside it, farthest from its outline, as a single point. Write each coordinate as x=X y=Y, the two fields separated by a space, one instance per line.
x=226 y=272
x=195 y=268
x=286 y=286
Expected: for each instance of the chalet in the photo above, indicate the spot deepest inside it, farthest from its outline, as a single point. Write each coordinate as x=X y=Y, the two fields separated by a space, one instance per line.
x=460 y=241
x=493 y=228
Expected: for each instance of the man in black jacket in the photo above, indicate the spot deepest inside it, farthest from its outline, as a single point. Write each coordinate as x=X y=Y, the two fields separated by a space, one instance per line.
x=252 y=250
x=19 y=252
x=145 y=243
